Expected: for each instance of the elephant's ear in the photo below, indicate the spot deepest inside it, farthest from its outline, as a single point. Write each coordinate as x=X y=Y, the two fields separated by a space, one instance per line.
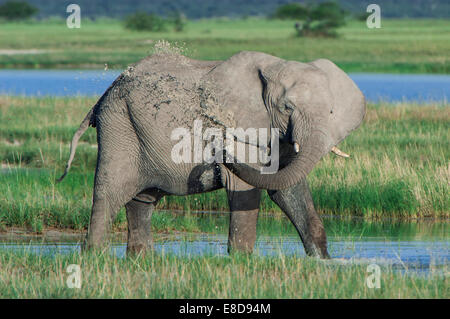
x=349 y=105
x=236 y=85
x=273 y=83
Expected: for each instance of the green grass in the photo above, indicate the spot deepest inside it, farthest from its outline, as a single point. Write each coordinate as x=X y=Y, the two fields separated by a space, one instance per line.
x=24 y=275
x=407 y=46
x=399 y=168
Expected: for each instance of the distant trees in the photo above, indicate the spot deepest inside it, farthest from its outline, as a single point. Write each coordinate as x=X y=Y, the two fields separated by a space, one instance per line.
x=362 y=16
x=142 y=21
x=313 y=21
x=197 y=9
x=178 y=20
x=291 y=11
x=17 y=10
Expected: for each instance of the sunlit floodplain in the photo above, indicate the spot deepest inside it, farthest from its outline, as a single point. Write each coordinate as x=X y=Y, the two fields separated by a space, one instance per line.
x=386 y=205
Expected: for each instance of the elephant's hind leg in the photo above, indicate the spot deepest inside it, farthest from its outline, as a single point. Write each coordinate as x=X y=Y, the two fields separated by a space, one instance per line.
x=298 y=205
x=106 y=205
x=243 y=200
x=139 y=214
x=115 y=184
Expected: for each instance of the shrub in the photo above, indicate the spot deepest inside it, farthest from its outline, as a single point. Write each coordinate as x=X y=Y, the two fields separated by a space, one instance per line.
x=178 y=20
x=319 y=20
x=142 y=21
x=291 y=11
x=362 y=16
x=17 y=10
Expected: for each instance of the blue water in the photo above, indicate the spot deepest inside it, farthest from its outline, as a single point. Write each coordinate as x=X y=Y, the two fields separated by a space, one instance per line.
x=414 y=256
x=55 y=82
x=376 y=87
x=404 y=87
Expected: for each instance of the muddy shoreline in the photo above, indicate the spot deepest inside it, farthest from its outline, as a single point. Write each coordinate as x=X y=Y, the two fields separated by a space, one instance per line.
x=15 y=234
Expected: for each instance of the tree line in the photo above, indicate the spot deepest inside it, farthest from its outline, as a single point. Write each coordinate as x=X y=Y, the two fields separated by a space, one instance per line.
x=195 y=9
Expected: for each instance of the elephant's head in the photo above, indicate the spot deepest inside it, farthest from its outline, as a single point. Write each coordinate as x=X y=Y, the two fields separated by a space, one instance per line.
x=314 y=106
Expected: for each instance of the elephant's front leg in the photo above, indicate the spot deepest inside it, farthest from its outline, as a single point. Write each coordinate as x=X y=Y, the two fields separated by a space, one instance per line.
x=244 y=201
x=298 y=205
x=242 y=233
x=139 y=215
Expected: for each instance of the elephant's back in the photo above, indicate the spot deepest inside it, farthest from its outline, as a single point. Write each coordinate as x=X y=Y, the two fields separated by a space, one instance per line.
x=181 y=67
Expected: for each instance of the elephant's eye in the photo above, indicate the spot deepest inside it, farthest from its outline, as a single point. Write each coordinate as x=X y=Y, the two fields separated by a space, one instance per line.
x=289 y=107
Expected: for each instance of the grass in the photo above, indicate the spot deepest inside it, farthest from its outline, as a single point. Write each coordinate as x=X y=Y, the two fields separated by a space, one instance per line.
x=406 y=46
x=25 y=275
x=399 y=169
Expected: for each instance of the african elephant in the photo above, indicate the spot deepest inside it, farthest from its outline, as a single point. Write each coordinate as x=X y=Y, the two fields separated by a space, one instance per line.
x=313 y=106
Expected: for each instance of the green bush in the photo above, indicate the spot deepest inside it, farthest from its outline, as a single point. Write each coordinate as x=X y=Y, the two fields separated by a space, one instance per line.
x=141 y=21
x=362 y=16
x=329 y=11
x=319 y=20
x=17 y=10
x=179 y=21
x=291 y=11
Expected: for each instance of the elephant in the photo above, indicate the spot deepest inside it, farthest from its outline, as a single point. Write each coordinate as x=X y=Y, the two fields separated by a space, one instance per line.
x=313 y=107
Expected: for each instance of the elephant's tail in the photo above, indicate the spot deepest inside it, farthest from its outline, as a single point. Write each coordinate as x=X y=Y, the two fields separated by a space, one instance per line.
x=88 y=120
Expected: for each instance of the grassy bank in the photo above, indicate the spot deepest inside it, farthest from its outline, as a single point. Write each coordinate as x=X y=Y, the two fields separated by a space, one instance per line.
x=407 y=46
x=25 y=275
x=399 y=168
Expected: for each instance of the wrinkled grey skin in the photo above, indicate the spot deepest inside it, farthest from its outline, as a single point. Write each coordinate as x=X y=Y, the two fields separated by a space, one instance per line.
x=314 y=104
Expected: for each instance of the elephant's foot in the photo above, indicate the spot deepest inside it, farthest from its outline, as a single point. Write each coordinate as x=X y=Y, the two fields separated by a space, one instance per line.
x=322 y=252
x=139 y=215
x=94 y=244
x=314 y=250
x=319 y=237
x=242 y=236
x=96 y=238
x=134 y=249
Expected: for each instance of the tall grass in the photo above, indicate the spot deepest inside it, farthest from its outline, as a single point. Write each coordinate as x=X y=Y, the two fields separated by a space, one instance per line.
x=399 y=167
x=408 y=46
x=25 y=275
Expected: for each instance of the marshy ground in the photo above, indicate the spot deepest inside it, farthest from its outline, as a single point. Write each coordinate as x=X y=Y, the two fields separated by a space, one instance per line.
x=399 y=168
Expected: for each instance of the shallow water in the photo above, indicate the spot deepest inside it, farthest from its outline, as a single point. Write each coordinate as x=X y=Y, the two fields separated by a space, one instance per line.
x=376 y=87
x=414 y=256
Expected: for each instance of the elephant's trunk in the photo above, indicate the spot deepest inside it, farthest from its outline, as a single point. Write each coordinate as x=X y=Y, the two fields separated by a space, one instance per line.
x=298 y=168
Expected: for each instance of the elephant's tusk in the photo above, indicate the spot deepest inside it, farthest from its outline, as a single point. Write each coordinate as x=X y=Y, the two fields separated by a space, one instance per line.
x=296 y=147
x=338 y=152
